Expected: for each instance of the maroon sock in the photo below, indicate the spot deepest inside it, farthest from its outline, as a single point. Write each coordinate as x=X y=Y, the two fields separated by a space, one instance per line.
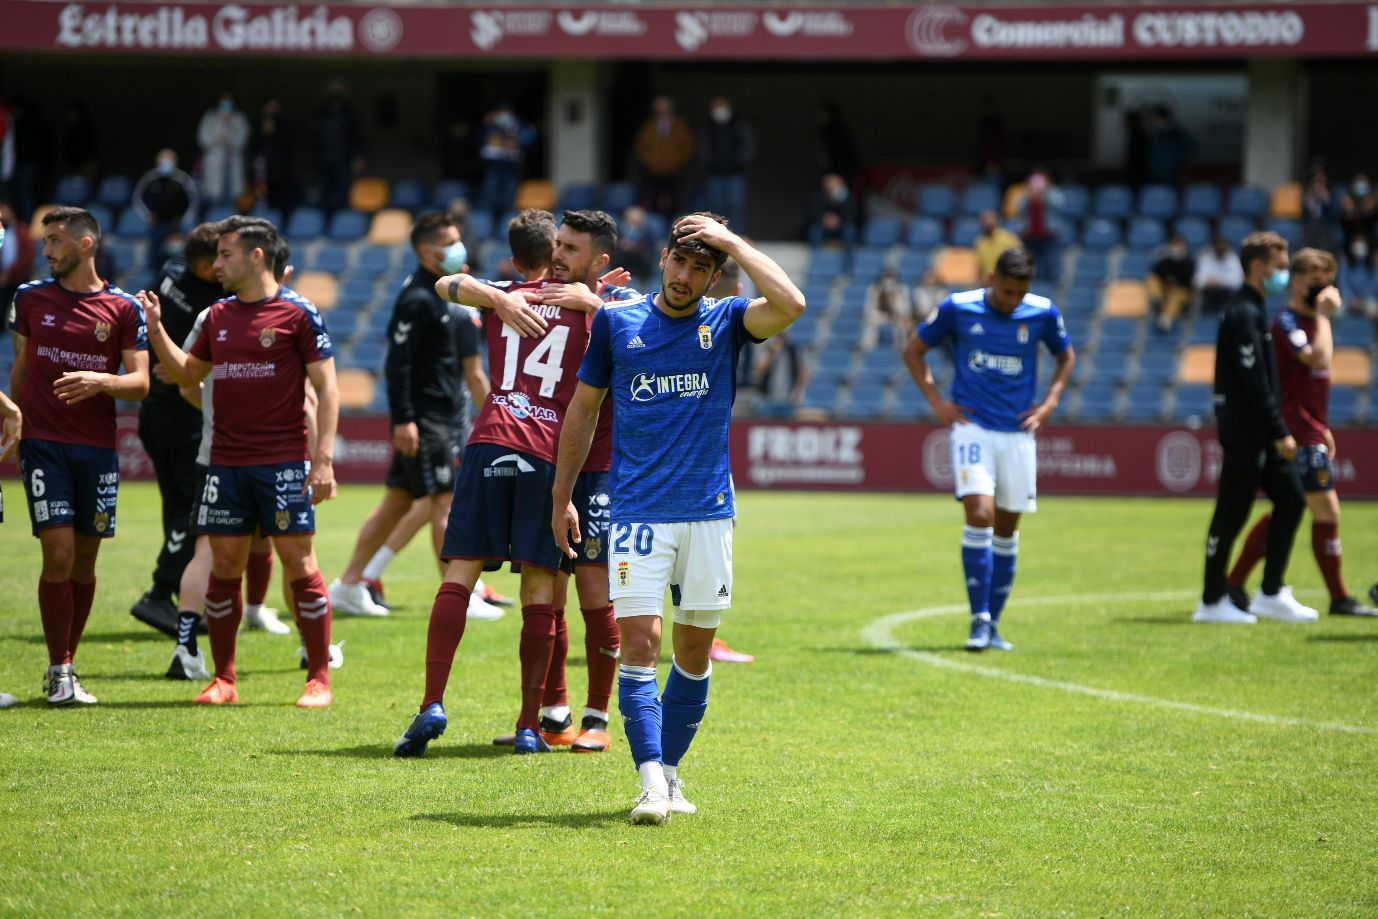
x=448 y=617
x=313 y=621
x=601 y=644
x=537 y=645
x=1325 y=543
x=83 y=595
x=555 y=677
x=257 y=576
x=55 y=609
x=1255 y=548
x=224 y=609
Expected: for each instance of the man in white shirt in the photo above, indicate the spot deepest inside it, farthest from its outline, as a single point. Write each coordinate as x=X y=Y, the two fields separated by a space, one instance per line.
x=1218 y=274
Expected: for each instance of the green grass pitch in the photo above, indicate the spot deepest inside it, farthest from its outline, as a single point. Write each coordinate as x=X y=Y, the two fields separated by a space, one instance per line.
x=1134 y=763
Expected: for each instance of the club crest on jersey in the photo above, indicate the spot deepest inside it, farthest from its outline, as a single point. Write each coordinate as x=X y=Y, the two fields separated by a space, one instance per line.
x=624 y=574
x=282 y=519
x=267 y=337
x=592 y=548
x=1023 y=334
x=705 y=337
x=102 y=331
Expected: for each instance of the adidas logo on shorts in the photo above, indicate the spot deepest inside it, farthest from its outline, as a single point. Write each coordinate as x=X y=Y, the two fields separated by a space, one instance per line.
x=723 y=593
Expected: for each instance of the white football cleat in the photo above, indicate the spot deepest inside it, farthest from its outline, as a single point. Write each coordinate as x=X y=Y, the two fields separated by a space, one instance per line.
x=187 y=666
x=265 y=618
x=57 y=683
x=678 y=803
x=7 y=700
x=353 y=599
x=481 y=609
x=1222 y=610
x=652 y=808
x=336 y=656
x=1282 y=606
x=82 y=696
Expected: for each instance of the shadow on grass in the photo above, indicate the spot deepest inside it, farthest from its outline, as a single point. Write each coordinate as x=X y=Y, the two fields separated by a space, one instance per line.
x=1343 y=639
x=88 y=637
x=107 y=702
x=384 y=751
x=509 y=821
x=95 y=676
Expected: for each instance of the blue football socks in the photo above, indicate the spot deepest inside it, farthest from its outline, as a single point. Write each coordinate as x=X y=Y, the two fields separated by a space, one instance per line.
x=636 y=696
x=1004 y=554
x=976 y=565
x=684 y=702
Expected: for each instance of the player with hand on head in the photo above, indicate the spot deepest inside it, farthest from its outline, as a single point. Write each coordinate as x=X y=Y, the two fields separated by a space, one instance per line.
x=668 y=362
x=262 y=344
x=995 y=333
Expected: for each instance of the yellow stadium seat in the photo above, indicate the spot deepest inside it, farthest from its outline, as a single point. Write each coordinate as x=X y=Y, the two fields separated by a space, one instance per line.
x=391 y=227
x=1125 y=298
x=1350 y=367
x=535 y=193
x=1012 y=196
x=356 y=388
x=956 y=266
x=1197 y=365
x=320 y=288
x=369 y=194
x=1286 y=203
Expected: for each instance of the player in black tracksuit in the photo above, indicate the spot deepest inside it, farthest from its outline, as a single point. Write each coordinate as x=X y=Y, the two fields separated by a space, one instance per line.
x=1258 y=450
x=170 y=427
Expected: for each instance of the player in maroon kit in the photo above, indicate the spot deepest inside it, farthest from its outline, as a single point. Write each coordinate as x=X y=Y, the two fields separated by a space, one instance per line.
x=505 y=480
x=261 y=345
x=1305 y=346
x=72 y=334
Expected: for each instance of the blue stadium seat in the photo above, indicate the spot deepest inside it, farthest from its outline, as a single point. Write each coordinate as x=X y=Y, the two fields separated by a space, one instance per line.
x=306 y=223
x=357 y=293
x=804 y=336
x=1080 y=301
x=1289 y=230
x=121 y=254
x=1063 y=229
x=964 y=231
x=409 y=195
x=1158 y=201
x=342 y=324
x=373 y=262
x=1248 y=201
x=1234 y=228
x=912 y=264
x=821 y=393
x=1076 y=202
x=1145 y=403
x=375 y=323
x=937 y=200
x=1345 y=404
x=1196 y=231
x=114 y=191
x=105 y=218
x=74 y=190
x=1353 y=331
x=446 y=192
x=866 y=401
x=1090 y=267
x=924 y=233
x=131 y=224
x=1145 y=233
x=618 y=196
x=818 y=295
x=270 y=214
x=218 y=212
x=881 y=231
x=347 y=225
x=1115 y=202
x=867 y=264
x=367 y=355
x=1201 y=200
x=1118 y=333
x=1100 y=233
x=480 y=226
x=330 y=258
x=1193 y=400
x=1206 y=331
x=832 y=363
x=578 y=196
x=826 y=263
x=908 y=405
x=1134 y=264
x=979 y=197
x=1097 y=404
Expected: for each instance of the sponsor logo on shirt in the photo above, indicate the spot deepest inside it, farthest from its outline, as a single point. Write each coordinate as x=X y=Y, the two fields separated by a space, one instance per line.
x=647 y=387
x=72 y=358
x=245 y=370
x=1011 y=365
x=518 y=405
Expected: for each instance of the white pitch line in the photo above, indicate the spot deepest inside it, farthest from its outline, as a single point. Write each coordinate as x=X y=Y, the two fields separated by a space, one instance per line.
x=880 y=634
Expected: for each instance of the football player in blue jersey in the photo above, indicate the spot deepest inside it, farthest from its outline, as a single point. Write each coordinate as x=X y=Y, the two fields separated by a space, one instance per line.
x=668 y=360
x=994 y=334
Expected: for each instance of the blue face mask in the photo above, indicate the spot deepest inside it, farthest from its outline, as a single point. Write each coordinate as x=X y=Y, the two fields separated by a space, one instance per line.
x=453 y=258
x=1277 y=282
x=166 y=167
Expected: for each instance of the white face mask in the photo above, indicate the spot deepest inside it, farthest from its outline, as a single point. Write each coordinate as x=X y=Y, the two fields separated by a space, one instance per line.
x=452 y=257
x=722 y=114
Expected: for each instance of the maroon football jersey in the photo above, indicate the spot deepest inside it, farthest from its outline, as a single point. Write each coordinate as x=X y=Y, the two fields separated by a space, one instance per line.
x=1305 y=390
x=533 y=380
x=69 y=331
x=260 y=352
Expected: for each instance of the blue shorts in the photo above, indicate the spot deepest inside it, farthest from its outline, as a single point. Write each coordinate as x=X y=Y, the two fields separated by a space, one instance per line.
x=70 y=485
x=591 y=499
x=236 y=500
x=501 y=510
x=1313 y=462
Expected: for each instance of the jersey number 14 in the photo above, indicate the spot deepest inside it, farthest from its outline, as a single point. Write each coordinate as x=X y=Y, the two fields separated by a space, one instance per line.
x=543 y=363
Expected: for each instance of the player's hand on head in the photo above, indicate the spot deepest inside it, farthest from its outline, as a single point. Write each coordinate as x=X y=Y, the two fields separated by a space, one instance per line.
x=515 y=313
x=566 y=527
x=79 y=385
x=705 y=230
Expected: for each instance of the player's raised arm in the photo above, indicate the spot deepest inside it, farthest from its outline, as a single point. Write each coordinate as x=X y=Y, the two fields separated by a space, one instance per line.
x=511 y=309
x=322 y=480
x=780 y=303
x=185 y=369
x=576 y=437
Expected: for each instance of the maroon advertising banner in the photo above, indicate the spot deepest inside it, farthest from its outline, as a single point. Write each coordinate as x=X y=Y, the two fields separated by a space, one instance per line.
x=1111 y=460
x=939 y=32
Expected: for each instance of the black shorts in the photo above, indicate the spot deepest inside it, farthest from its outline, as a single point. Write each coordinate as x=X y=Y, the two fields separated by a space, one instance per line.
x=502 y=508
x=432 y=470
x=1313 y=462
x=593 y=502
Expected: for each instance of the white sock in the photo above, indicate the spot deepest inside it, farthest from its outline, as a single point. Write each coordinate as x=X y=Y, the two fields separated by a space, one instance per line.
x=653 y=777
x=253 y=610
x=595 y=713
x=670 y=772
x=479 y=588
x=373 y=571
x=555 y=712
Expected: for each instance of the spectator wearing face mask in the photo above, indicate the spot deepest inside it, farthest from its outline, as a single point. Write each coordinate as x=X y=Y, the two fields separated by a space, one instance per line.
x=1358 y=220
x=1169 y=280
x=663 y=146
x=166 y=198
x=1218 y=275
x=222 y=135
x=503 y=142
x=833 y=213
x=1039 y=203
x=727 y=145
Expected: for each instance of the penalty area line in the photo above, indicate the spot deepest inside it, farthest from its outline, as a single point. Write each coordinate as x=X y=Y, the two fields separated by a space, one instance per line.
x=880 y=633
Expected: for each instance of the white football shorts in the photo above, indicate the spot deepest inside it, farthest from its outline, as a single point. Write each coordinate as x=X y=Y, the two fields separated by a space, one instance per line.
x=1003 y=464
x=693 y=559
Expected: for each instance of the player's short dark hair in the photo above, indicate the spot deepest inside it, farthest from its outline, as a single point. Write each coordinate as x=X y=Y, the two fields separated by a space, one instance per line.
x=694 y=246
x=282 y=257
x=1259 y=247
x=729 y=277
x=531 y=237
x=599 y=225
x=1015 y=263
x=80 y=222
x=428 y=225
x=254 y=233
x=200 y=243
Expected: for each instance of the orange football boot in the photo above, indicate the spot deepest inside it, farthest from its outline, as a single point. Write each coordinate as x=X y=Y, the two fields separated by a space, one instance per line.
x=219 y=692
x=316 y=695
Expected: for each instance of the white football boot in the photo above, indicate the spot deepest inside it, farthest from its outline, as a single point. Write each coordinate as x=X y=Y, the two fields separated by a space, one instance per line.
x=1282 y=606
